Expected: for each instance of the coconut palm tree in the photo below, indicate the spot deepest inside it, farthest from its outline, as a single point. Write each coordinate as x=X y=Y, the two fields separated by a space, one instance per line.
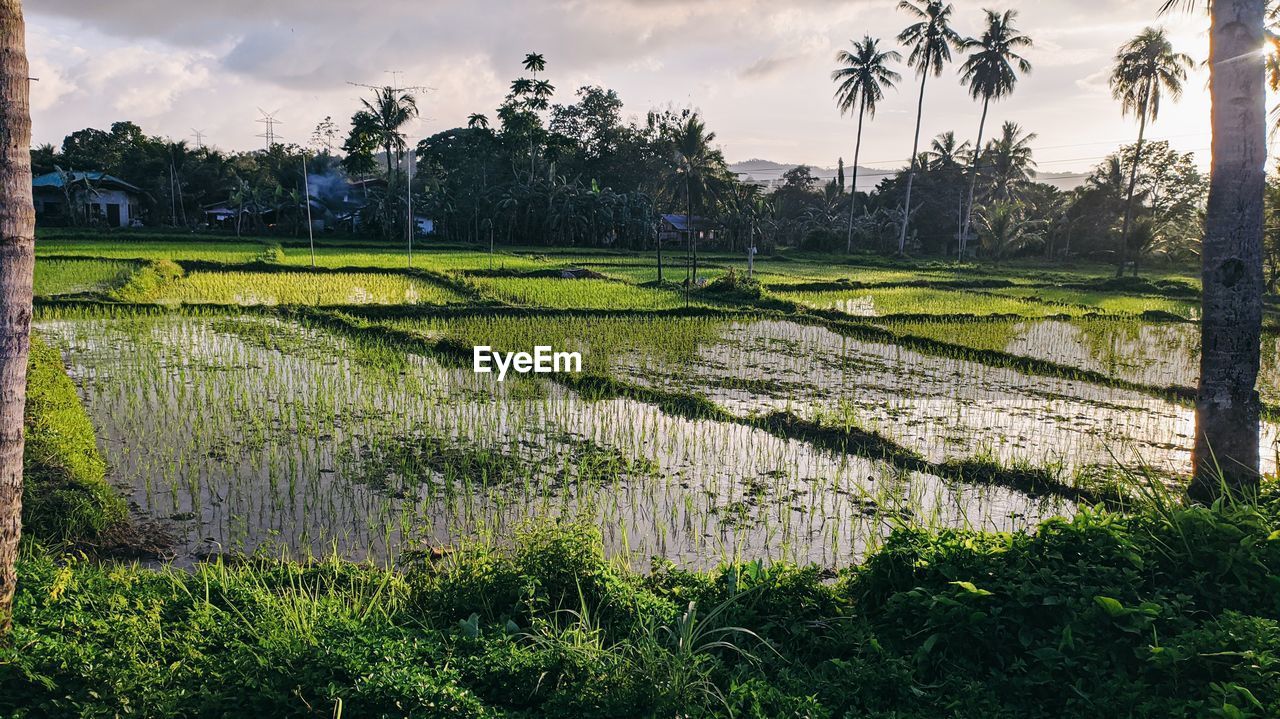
x=1227 y=405
x=478 y=121
x=17 y=263
x=1007 y=160
x=388 y=113
x=991 y=73
x=1003 y=229
x=696 y=173
x=944 y=153
x=863 y=75
x=1145 y=67
x=930 y=40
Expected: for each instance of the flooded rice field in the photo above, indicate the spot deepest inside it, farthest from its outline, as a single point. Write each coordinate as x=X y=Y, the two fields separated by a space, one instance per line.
x=1154 y=354
x=940 y=407
x=252 y=433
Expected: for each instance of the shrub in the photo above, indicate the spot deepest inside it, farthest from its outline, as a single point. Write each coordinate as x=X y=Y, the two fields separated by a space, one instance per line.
x=148 y=282
x=67 y=497
x=273 y=254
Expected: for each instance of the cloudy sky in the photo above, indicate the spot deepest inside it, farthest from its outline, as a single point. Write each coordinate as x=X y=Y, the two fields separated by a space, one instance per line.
x=758 y=70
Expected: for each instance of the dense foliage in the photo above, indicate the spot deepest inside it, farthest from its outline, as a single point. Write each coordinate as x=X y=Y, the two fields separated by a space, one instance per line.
x=1169 y=612
x=582 y=174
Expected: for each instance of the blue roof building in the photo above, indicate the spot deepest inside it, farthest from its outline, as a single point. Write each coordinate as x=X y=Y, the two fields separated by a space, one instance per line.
x=97 y=198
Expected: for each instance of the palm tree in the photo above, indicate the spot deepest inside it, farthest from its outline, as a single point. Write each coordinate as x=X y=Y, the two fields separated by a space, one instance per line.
x=1004 y=229
x=696 y=171
x=1227 y=406
x=1007 y=160
x=863 y=76
x=930 y=40
x=991 y=72
x=477 y=121
x=944 y=153
x=534 y=62
x=1145 y=67
x=17 y=263
x=389 y=112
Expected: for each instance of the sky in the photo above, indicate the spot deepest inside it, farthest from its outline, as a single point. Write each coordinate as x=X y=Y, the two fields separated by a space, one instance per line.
x=758 y=71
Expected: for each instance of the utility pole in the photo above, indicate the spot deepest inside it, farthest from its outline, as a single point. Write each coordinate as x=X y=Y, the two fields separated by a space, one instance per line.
x=306 y=189
x=412 y=224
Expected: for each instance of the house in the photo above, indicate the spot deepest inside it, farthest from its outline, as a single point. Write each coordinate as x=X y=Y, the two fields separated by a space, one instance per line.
x=228 y=216
x=676 y=227
x=95 y=197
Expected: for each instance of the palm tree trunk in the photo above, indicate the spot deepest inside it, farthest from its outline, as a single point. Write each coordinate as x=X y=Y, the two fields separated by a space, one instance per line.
x=853 y=188
x=1133 y=181
x=693 y=237
x=17 y=263
x=973 y=179
x=911 y=171
x=1227 y=406
x=659 y=252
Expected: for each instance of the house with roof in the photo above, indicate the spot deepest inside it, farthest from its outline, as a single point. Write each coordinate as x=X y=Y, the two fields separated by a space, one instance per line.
x=678 y=227
x=94 y=197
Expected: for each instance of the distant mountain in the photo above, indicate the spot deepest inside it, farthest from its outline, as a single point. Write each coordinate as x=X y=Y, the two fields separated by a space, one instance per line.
x=1062 y=180
x=769 y=173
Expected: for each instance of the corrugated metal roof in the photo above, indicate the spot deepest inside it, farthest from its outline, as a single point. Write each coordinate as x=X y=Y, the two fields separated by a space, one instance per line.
x=681 y=223
x=54 y=180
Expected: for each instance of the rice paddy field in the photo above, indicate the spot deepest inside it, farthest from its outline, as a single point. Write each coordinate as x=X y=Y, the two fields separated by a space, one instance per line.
x=246 y=401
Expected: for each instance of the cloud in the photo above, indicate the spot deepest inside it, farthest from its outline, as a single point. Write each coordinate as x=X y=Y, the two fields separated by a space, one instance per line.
x=758 y=69
x=766 y=67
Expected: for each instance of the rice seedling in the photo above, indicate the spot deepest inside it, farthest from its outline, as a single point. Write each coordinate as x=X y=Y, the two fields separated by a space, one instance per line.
x=878 y=302
x=579 y=293
x=319 y=442
x=1106 y=302
x=64 y=277
x=176 y=250
x=303 y=288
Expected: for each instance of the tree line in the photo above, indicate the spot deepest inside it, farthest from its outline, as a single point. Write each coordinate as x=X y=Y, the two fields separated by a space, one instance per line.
x=579 y=173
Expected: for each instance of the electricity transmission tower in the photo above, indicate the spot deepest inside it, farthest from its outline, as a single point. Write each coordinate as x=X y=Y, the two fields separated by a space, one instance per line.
x=269 y=120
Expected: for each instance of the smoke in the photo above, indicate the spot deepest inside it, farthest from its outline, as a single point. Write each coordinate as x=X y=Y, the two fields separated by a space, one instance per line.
x=330 y=189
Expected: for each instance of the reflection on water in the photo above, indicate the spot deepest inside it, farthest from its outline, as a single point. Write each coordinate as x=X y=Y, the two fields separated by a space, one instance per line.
x=248 y=433
x=1149 y=353
x=941 y=407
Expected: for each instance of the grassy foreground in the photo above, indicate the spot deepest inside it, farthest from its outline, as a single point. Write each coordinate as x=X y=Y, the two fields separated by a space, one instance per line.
x=1167 y=613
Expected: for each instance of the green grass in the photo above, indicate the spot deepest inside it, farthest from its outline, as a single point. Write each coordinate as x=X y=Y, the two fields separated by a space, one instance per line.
x=578 y=293
x=600 y=339
x=302 y=288
x=67 y=497
x=194 y=249
x=63 y=277
x=1168 y=612
x=923 y=301
x=648 y=273
x=1108 y=302
x=441 y=260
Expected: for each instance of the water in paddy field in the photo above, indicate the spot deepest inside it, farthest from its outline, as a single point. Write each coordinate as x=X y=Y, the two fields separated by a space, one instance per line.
x=941 y=407
x=246 y=434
